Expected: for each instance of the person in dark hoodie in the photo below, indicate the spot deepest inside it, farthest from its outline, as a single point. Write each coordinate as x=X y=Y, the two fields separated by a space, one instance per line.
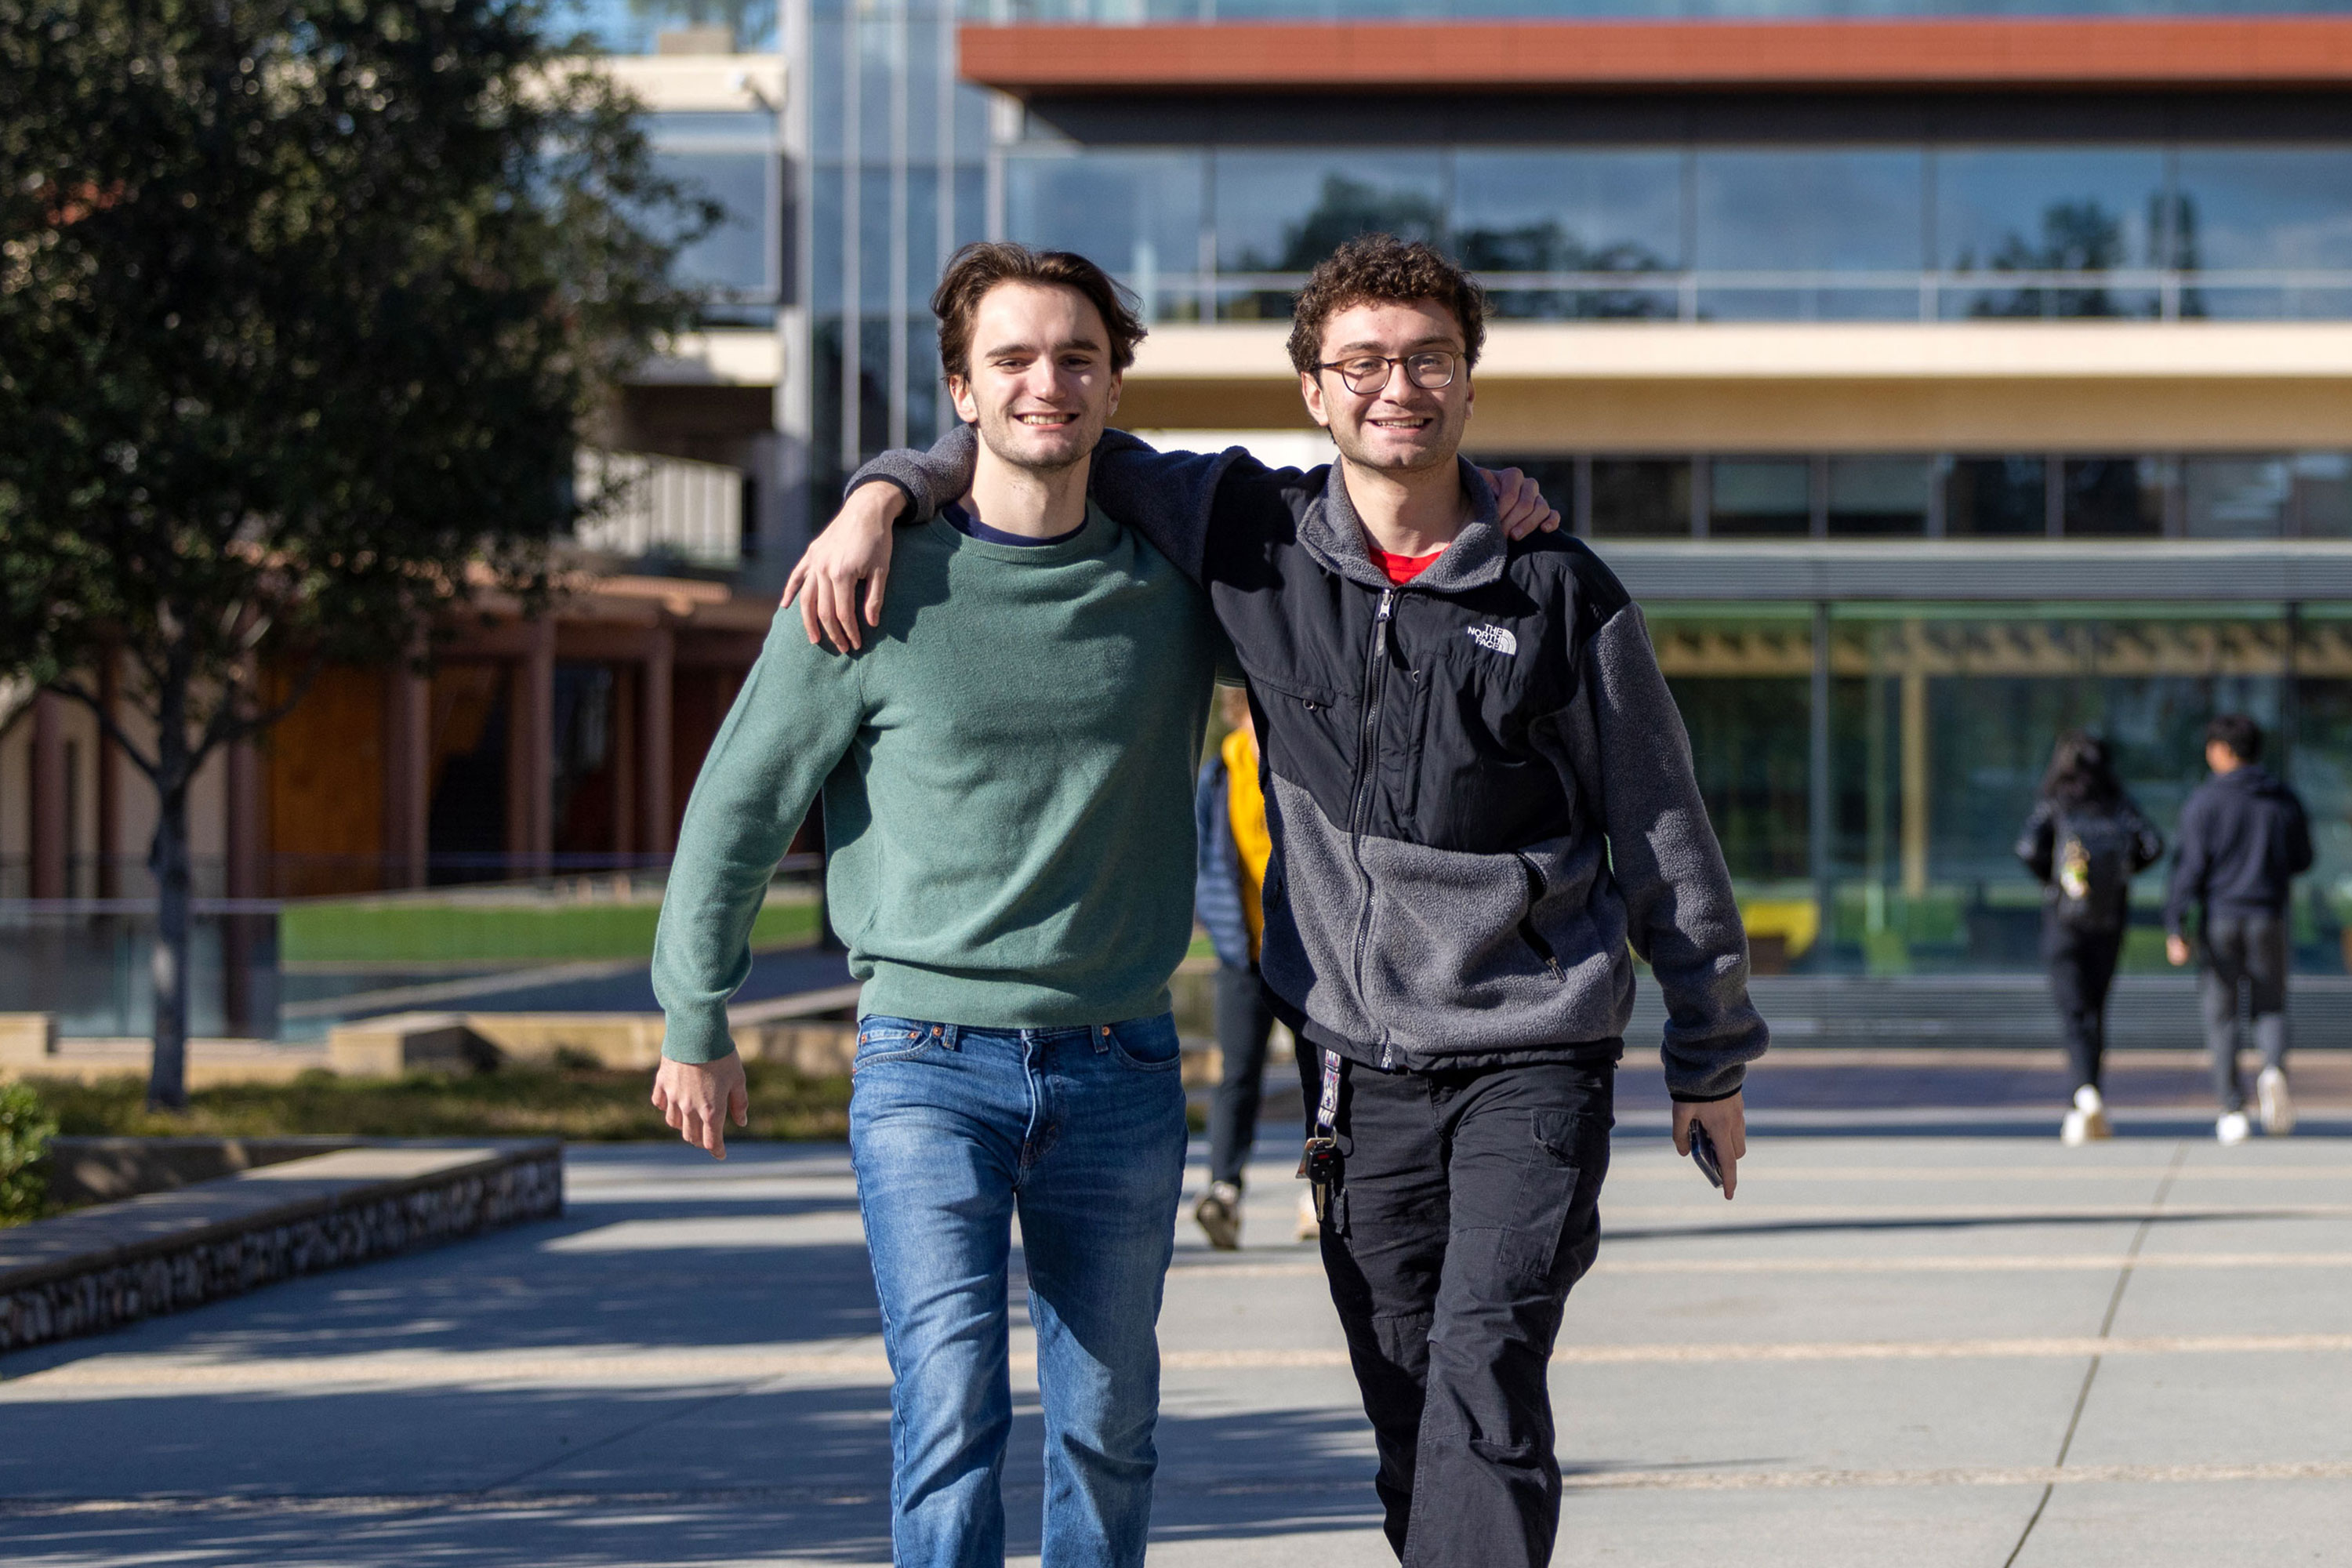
x=1483 y=808
x=2084 y=842
x=2244 y=838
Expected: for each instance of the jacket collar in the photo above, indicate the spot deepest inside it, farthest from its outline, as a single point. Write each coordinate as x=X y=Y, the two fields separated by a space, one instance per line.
x=1334 y=535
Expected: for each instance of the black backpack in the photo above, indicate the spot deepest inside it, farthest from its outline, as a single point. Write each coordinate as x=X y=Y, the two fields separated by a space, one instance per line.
x=2090 y=870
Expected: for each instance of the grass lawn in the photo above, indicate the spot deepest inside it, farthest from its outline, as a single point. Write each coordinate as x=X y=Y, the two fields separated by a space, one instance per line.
x=582 y=1104
x=415 y=931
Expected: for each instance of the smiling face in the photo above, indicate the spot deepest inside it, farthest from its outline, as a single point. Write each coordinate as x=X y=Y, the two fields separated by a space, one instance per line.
x=1399 y=427
x=1041 y=388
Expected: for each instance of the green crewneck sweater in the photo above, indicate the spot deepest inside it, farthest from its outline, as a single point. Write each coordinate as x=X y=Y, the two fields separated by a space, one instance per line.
x=1007 y=777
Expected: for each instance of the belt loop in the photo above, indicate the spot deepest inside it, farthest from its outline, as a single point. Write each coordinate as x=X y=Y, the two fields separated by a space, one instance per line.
x=1102 y=1040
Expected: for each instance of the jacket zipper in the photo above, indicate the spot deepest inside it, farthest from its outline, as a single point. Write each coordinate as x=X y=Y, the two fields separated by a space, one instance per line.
x=1375 y=668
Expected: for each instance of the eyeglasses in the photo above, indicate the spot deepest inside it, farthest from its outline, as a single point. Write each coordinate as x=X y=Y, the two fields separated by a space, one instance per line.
x=1364 y=374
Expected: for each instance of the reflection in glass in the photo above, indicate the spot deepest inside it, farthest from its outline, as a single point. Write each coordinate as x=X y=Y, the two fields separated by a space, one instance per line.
x=1636 y=497
x=1285 y=211
x=1996 y=498
x=2070 y=209
x=1518 y=211
x=1759 y=498
x=1139 y=215
x=1879 y=495
x=2245 y=207
x=2112 y=497
x=737 y=259
x=2236 y=497
x=1812 y=209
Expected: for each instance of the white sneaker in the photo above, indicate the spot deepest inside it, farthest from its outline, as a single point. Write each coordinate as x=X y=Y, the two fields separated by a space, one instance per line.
x=2087 y=1122
x=2233 y=1128
x=2278 y=1105
x=1309 y=1227
x=1220 y=1215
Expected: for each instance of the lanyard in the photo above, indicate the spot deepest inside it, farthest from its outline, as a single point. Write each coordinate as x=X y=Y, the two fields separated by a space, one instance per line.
x=1327 y=1114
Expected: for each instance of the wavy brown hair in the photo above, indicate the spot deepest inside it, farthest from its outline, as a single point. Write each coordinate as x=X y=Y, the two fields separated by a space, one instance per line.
x=984 y=264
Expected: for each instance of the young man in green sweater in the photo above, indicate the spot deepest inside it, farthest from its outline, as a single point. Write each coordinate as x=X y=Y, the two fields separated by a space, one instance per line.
x=1006 y=770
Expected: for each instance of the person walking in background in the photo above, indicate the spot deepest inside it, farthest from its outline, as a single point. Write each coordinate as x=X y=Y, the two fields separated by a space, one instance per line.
x=1229 y=814
x=2244 y=838
x=2084 y=842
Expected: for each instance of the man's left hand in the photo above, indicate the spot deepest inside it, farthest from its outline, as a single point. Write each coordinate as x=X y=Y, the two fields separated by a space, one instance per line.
x=1726 y=1122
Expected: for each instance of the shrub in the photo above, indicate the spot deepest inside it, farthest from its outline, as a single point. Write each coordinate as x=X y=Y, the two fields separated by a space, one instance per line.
x=25 y=1127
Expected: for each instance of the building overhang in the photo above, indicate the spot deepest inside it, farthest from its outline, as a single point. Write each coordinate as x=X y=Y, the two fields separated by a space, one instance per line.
x=2071 y=54
x=718 y=357
x=2034 y=386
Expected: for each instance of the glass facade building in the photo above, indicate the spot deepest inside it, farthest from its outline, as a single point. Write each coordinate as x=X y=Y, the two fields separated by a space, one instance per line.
x=1878 y=587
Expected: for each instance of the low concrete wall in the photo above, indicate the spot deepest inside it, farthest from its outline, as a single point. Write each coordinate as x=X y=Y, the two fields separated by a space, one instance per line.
x=85 y=1170
x=115 y=1264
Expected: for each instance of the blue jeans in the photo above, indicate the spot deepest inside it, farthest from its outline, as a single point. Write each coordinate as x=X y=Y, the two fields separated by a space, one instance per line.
x=1081 y=1132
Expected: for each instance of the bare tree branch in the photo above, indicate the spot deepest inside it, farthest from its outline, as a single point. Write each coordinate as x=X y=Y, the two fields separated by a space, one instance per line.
x=90 y=699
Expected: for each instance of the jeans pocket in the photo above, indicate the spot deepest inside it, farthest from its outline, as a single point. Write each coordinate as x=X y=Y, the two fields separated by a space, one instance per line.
x=1147 y=1045
x=883 y=1039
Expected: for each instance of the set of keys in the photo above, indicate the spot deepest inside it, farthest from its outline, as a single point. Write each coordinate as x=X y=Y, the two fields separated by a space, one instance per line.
x=1318 y=1166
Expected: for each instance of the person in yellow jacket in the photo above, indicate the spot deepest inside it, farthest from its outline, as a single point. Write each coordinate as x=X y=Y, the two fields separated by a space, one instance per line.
x=1229 y=813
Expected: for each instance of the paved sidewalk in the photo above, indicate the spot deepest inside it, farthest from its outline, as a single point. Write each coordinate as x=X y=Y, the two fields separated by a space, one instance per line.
x=1920 y=1336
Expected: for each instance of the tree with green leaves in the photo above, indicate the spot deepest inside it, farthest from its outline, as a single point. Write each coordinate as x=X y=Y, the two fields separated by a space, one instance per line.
x=302 y=306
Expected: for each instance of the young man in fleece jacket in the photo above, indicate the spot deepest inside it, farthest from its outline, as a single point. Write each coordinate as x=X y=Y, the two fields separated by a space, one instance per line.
x=1480 y=793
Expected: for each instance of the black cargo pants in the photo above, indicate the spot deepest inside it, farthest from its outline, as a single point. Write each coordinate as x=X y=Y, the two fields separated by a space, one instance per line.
x=1467 y=1206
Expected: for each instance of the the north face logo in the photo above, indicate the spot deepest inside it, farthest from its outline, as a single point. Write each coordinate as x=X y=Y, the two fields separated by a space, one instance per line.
x=1495 y=639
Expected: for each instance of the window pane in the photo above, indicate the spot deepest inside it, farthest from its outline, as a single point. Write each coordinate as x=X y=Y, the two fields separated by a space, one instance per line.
x=2322 y=494
x=1284 y=212
x=2237 y=498
x=1839 y=210
x=2048 y=210
x=2114 y=497
x=2273 y=206
x=1569 y=212
x=1641 y=498
x=737 y=258
x=1139 y=215
x=1993 y=497
x=1757 y=497
x=1878 y=495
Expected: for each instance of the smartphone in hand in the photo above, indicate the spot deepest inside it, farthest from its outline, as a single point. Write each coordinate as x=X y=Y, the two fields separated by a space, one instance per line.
x=1703 y=1155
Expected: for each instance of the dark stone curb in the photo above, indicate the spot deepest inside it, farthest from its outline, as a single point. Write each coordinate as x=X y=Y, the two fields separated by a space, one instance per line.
x=86 y=1272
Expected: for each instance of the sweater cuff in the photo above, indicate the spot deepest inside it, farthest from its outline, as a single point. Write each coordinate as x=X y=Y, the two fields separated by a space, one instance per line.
x=1681 y=1099
x=698 y=1037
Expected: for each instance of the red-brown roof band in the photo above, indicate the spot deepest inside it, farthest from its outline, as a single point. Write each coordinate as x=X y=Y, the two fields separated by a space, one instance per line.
x=2213 y=52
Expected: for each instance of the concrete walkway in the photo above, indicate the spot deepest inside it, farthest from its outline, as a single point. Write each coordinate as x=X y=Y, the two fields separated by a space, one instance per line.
x=1927 y=1337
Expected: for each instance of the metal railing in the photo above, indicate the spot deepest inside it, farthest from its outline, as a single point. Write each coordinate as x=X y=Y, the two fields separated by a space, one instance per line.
x=654 y=506
x=1695 y=294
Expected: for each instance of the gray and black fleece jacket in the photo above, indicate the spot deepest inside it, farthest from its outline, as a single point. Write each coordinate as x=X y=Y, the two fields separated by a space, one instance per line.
x=1479 y=790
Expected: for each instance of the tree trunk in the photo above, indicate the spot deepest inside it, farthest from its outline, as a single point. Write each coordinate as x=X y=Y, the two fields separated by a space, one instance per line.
x=167 y=858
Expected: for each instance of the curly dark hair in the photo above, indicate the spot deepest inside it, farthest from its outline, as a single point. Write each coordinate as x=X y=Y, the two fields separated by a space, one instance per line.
x=984 y=264
x=1380 y=268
